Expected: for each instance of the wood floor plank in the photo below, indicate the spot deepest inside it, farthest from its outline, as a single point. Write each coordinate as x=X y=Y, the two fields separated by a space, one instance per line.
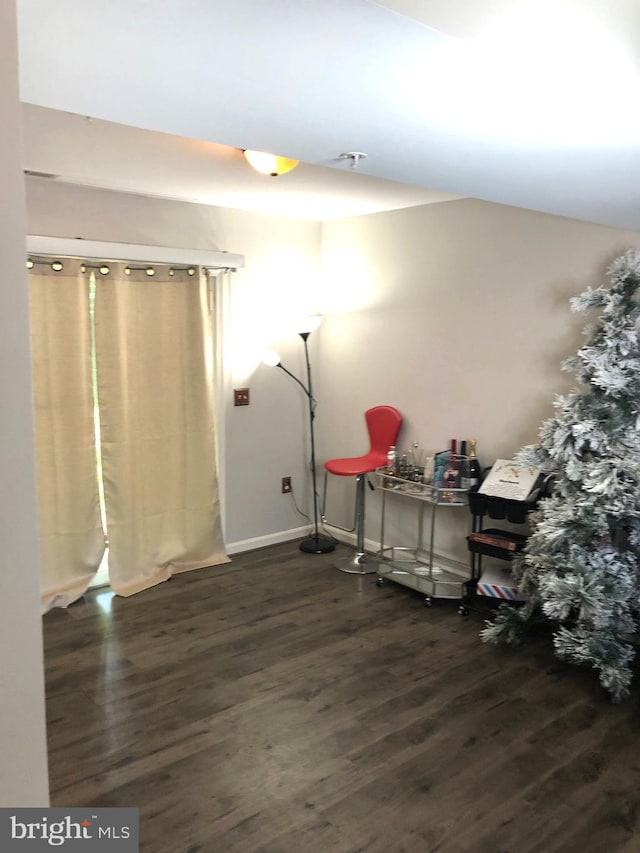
x=276 y=705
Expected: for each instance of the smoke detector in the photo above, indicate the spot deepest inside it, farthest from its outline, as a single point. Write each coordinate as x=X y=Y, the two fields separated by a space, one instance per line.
x=354 y=157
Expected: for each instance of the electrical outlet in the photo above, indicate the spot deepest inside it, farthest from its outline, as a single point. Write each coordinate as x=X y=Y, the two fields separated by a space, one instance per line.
x=286 y=485
x=240 y=396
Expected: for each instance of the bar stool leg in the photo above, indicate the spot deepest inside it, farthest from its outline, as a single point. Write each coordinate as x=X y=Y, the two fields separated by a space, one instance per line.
x=358 y=563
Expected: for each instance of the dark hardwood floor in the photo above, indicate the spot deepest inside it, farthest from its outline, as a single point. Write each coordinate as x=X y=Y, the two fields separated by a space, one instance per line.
x=278 y=705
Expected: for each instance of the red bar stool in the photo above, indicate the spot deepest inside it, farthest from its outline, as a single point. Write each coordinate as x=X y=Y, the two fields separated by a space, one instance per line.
x=383 y=424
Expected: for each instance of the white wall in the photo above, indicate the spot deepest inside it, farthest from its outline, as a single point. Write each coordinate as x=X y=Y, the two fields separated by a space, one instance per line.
x=266 y=440
x=457 y=314
x=23 y=767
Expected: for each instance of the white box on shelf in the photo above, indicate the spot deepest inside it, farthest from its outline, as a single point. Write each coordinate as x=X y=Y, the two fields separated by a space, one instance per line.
x=498 y=582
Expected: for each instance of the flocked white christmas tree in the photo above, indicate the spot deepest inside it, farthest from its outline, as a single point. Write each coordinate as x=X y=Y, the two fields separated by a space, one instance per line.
x=581 y=564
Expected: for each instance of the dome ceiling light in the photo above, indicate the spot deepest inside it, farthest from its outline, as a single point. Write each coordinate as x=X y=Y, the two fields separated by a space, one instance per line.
x=269 y=164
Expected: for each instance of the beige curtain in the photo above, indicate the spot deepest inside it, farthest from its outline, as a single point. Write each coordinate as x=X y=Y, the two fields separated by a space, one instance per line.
x=153 y=356
x=71 y=536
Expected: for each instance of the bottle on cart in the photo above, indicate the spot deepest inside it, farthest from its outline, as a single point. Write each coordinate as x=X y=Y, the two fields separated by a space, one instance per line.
x=463 y=467
x=475 y=472
x=415 y=461
x=403 y=467
x=392 y=461
x=450 y=479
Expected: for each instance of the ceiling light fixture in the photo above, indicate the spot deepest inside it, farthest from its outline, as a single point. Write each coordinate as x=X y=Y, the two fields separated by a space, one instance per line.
x=354 y=156
x=269 y=164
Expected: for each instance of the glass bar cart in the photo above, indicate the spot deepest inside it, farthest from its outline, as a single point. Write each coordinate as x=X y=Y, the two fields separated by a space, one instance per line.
x=416 y=567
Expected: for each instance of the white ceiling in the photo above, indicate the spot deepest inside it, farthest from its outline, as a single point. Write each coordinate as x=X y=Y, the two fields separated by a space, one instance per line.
x=533 y=104
x=98 y=153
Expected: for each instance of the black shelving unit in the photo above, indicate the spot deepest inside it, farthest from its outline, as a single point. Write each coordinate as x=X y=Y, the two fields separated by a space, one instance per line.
x=487 y=540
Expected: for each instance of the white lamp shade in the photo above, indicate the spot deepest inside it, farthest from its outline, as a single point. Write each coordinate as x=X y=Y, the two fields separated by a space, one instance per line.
x=271 y=358
x=309 y=324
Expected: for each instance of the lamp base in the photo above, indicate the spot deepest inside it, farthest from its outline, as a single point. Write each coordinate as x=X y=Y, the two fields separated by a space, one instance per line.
x=317 y=545
x=357 y=564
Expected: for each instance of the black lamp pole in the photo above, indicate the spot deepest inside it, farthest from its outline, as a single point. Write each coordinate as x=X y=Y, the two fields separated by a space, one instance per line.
x=314 y=544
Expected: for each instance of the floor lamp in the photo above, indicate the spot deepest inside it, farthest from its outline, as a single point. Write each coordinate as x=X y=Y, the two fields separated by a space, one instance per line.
x=314 y=544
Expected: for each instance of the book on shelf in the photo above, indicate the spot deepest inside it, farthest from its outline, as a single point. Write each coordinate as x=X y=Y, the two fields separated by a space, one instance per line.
x=493 y=540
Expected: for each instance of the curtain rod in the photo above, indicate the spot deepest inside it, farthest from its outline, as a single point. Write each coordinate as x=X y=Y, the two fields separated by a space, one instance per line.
x=90 y=249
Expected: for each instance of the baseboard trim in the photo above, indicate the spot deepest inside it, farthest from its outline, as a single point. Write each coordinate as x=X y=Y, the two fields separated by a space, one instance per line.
x=270 y=539
x=342 y=536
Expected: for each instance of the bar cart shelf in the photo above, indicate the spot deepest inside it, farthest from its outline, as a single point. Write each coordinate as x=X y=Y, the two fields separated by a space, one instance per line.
x=416 y=567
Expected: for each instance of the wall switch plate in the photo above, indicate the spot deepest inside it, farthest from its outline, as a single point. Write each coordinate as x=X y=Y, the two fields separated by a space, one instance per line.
x=240 y=396
x=286 y=485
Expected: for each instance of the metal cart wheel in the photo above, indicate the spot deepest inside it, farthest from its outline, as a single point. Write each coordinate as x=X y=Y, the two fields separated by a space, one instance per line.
x=380 y=582
x=428 y=601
